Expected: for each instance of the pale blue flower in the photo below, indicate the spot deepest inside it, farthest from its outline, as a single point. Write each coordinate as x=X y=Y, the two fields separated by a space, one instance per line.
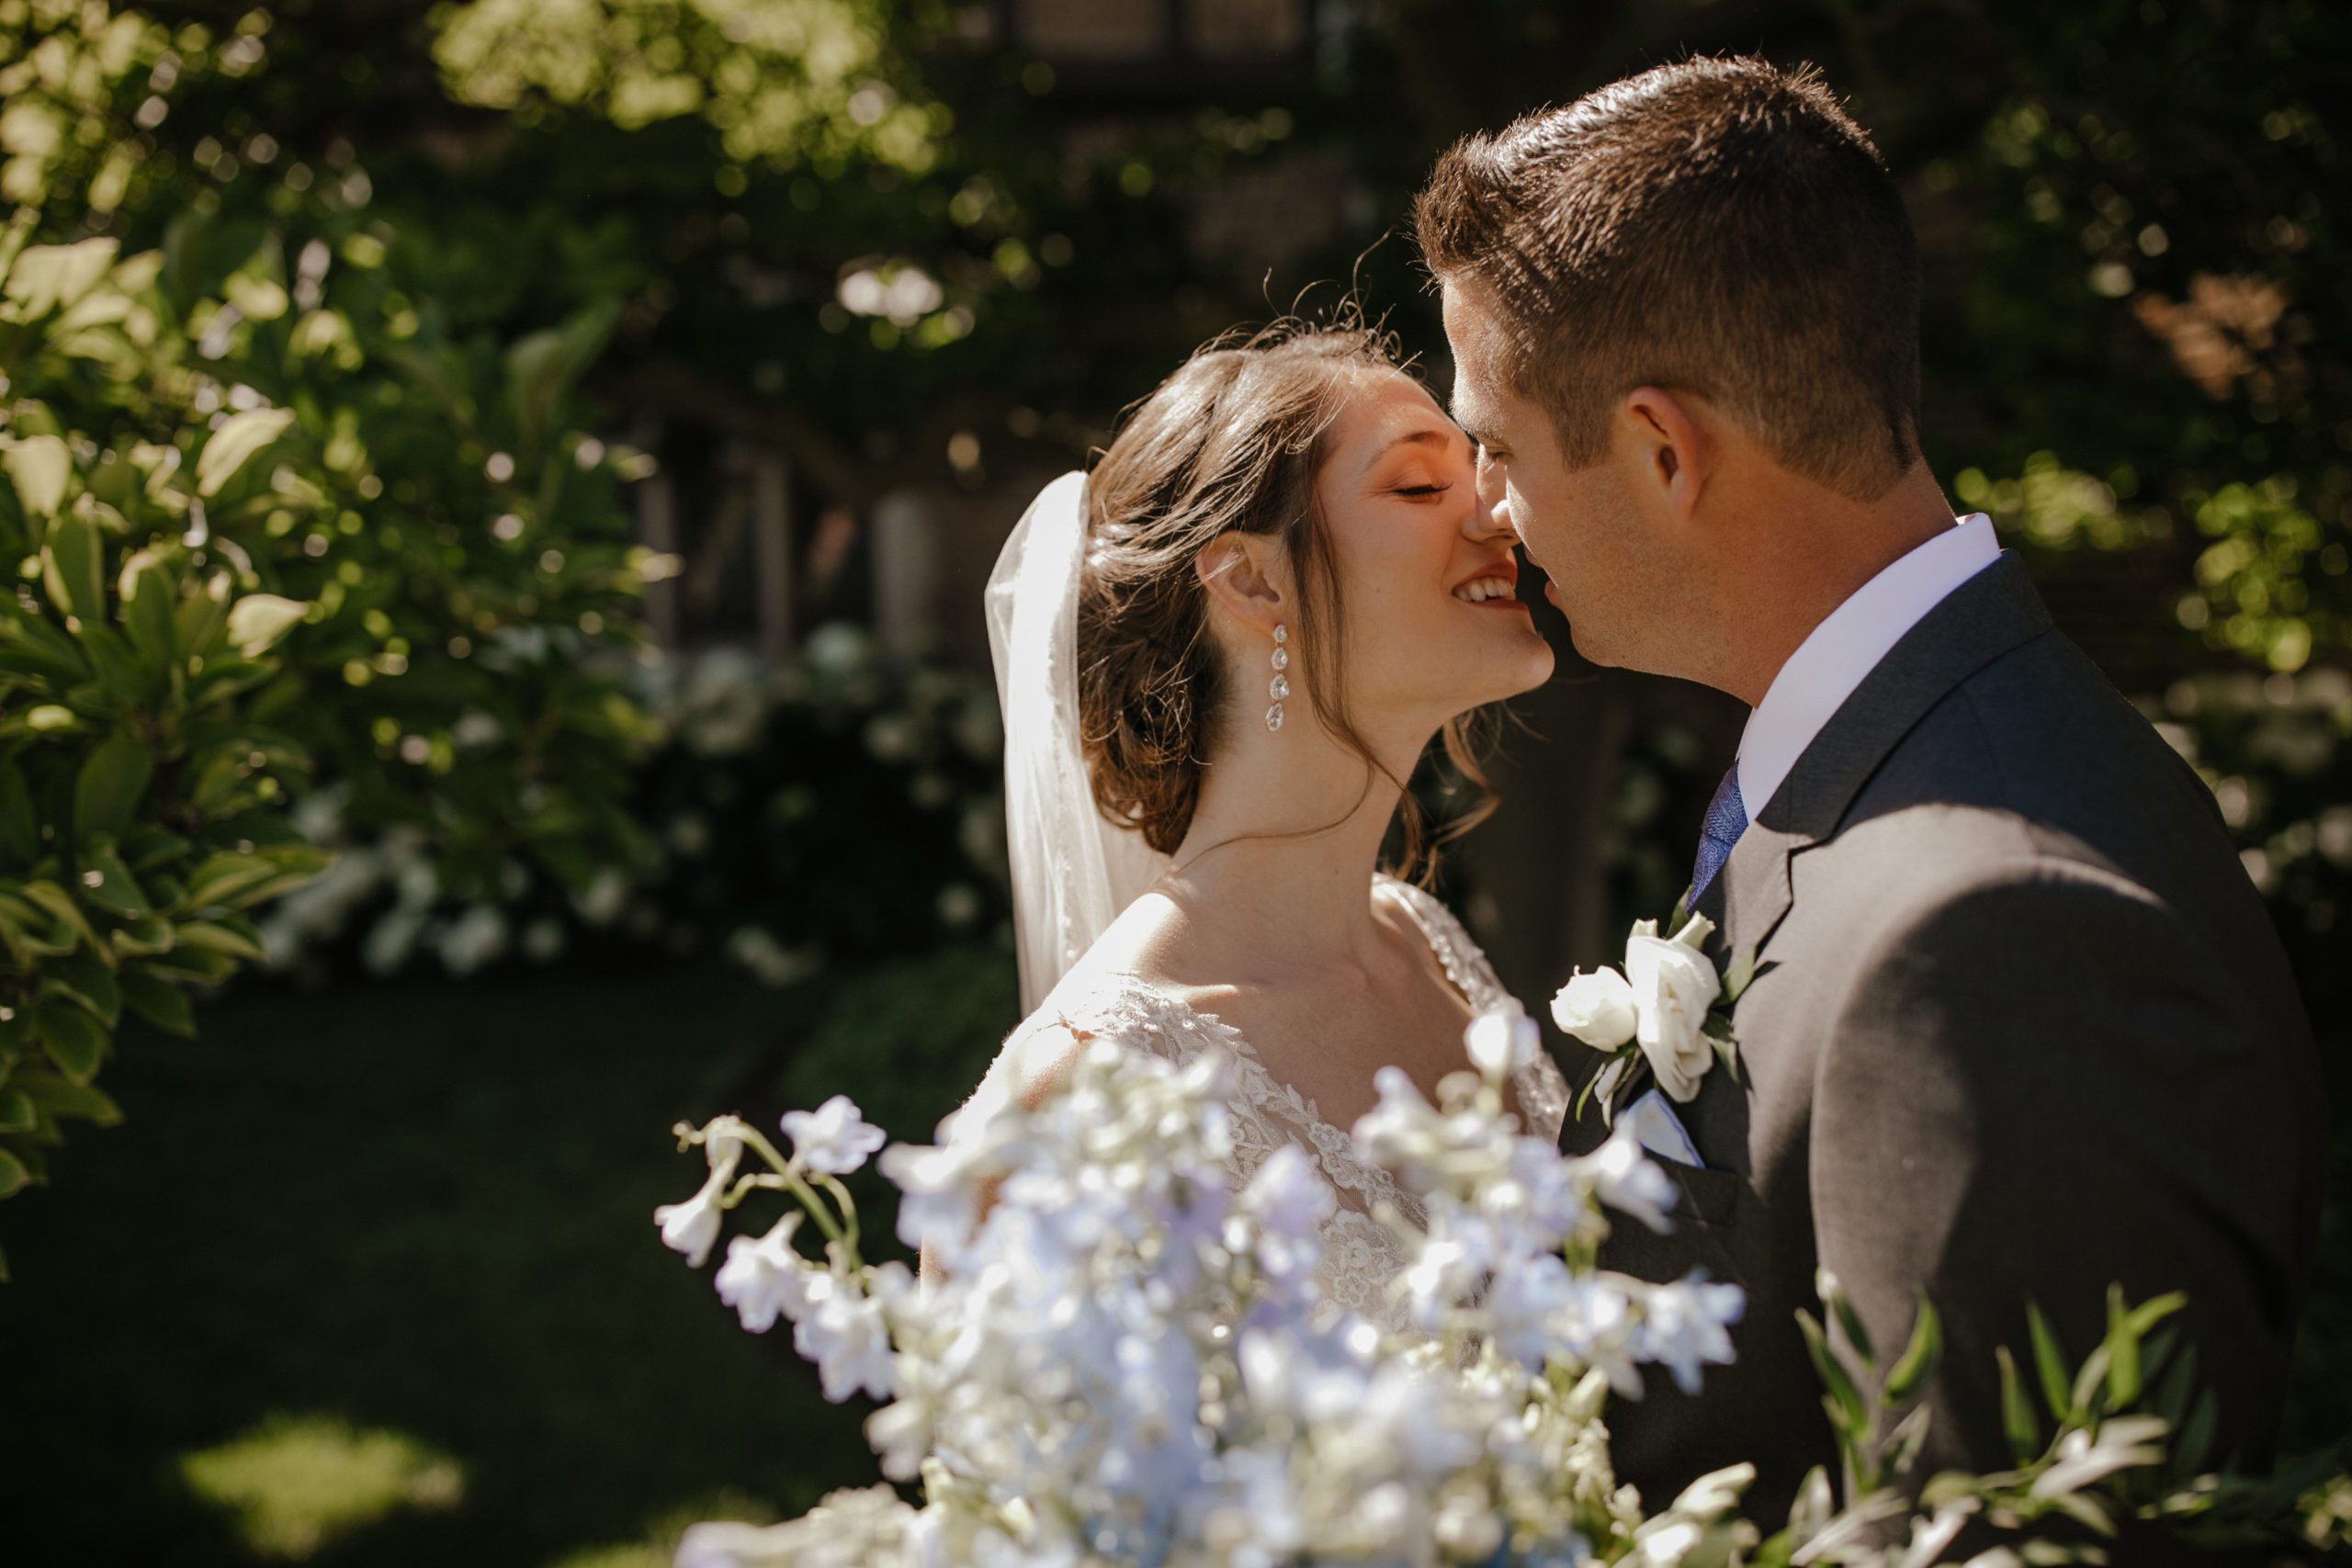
x=1626 y=1179
x=1688 y=1323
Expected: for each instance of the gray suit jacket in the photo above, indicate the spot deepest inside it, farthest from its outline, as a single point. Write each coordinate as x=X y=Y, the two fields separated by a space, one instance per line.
x=2021 y=1027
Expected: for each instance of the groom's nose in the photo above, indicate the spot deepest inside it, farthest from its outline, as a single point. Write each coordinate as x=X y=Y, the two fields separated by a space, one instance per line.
x=1493 y=502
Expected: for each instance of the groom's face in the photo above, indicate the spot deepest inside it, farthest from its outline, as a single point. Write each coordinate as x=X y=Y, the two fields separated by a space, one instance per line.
x=1583 y=527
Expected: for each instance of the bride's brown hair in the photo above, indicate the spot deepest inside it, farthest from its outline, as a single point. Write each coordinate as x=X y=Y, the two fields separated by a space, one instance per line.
x=1231 y=443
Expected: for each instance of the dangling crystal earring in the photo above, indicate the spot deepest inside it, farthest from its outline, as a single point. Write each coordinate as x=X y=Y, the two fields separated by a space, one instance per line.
x=1279 y=687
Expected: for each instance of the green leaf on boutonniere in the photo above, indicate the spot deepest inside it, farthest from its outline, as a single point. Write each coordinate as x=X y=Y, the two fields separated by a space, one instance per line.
x=1609 y=1082
x=1606 y=1083
x=1681 y=916
x=1736 y=977
x=1718 y=1030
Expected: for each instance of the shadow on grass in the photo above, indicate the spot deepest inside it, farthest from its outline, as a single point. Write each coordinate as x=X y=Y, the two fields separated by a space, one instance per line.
x=420 y=1209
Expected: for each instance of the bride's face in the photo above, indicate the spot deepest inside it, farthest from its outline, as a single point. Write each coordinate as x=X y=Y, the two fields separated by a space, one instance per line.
x=1433 y=626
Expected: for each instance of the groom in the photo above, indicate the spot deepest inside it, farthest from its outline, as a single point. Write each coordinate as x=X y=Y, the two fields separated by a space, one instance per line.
x=2021 y=1026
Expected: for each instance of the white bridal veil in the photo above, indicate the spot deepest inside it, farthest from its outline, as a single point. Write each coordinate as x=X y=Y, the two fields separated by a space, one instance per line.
x=1073 y=870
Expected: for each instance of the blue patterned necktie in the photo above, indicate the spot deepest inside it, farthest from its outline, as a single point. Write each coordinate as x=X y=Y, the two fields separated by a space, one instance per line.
x=1726 y=820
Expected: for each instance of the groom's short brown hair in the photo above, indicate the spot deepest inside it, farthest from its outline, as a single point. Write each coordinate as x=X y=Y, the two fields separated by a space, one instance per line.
x=1716 y=224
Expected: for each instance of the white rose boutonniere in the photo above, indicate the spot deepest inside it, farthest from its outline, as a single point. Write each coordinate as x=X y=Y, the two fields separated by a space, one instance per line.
x=1667 y=1012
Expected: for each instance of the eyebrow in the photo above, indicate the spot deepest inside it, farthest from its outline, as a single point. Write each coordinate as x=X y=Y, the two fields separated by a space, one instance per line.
x=1427 y=435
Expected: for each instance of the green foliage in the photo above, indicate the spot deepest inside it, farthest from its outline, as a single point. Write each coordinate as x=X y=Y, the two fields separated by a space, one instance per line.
x=143 y=792
x=274 y=524
x=805 y=80
x=2129 y=1433
x=2164 y=226
x=2277 y=752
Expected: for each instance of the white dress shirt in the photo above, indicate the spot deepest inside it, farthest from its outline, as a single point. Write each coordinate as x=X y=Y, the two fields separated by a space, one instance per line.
x=1813 y=685
x=1847 y=646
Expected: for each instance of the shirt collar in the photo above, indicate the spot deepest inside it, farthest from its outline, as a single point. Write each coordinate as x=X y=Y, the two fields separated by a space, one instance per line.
x=1847 y=646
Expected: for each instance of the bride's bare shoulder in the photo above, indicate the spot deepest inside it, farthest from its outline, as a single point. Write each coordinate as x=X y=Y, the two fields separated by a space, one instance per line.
x=1146 y=952
x=1140 y=942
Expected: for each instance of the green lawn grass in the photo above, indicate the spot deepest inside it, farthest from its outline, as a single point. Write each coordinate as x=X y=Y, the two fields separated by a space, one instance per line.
x=370 y=1275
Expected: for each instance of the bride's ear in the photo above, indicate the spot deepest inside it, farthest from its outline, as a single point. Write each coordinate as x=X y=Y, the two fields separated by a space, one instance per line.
x=1241 y=574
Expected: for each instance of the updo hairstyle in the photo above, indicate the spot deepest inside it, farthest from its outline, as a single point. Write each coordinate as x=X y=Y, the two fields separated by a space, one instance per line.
x=1231 y=443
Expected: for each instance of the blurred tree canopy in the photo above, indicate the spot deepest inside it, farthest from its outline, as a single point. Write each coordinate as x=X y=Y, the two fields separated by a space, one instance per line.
x=864 y=227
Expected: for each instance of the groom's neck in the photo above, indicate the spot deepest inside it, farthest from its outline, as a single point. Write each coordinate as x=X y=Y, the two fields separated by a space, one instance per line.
x=1804 y=551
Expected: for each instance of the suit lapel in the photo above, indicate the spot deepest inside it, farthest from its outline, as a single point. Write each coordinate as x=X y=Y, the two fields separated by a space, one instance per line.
x=1756 y=892
x=1988 y=616
x=1992 y=613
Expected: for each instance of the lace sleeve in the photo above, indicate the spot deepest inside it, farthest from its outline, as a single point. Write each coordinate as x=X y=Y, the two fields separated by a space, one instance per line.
x=1463 y=961
x=1539 y=1085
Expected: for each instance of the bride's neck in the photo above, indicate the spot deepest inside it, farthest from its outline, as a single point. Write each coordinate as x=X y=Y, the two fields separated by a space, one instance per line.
x=1284 y=838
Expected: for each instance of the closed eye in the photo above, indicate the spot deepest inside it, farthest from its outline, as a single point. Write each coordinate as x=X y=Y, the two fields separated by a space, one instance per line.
x=1424 y=490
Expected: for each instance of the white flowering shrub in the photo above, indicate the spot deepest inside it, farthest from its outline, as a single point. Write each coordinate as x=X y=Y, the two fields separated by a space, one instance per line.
x=837 y=769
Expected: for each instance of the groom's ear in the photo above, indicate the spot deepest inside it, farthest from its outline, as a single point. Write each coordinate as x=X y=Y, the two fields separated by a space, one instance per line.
x=1238 y=571
x=1675 y=442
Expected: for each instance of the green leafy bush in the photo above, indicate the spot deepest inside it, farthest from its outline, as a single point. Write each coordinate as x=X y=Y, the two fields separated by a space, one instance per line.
x=275 y=528
x=141 y=796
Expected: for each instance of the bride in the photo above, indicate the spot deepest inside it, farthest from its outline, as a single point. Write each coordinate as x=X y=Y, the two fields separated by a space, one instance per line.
x=1220 y=655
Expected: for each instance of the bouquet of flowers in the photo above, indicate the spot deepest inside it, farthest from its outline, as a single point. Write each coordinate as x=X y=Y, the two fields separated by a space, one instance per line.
x=1124 y=1361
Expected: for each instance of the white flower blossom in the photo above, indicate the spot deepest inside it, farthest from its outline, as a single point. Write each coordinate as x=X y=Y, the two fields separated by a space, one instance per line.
x=1626 y=1179
x=1502 y=1040
x=1597 y=1008
x=692 y=1227
x=764 y=1278
x=832 y=1138
x=1673 y=984
x=842 y=1329
x=872 y=1528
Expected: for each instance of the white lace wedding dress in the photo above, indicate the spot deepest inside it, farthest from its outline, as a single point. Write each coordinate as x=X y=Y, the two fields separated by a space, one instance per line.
x=1359 y=1255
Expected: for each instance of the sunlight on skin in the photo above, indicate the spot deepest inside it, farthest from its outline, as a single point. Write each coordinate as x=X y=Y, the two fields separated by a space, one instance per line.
x=294 y=1484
